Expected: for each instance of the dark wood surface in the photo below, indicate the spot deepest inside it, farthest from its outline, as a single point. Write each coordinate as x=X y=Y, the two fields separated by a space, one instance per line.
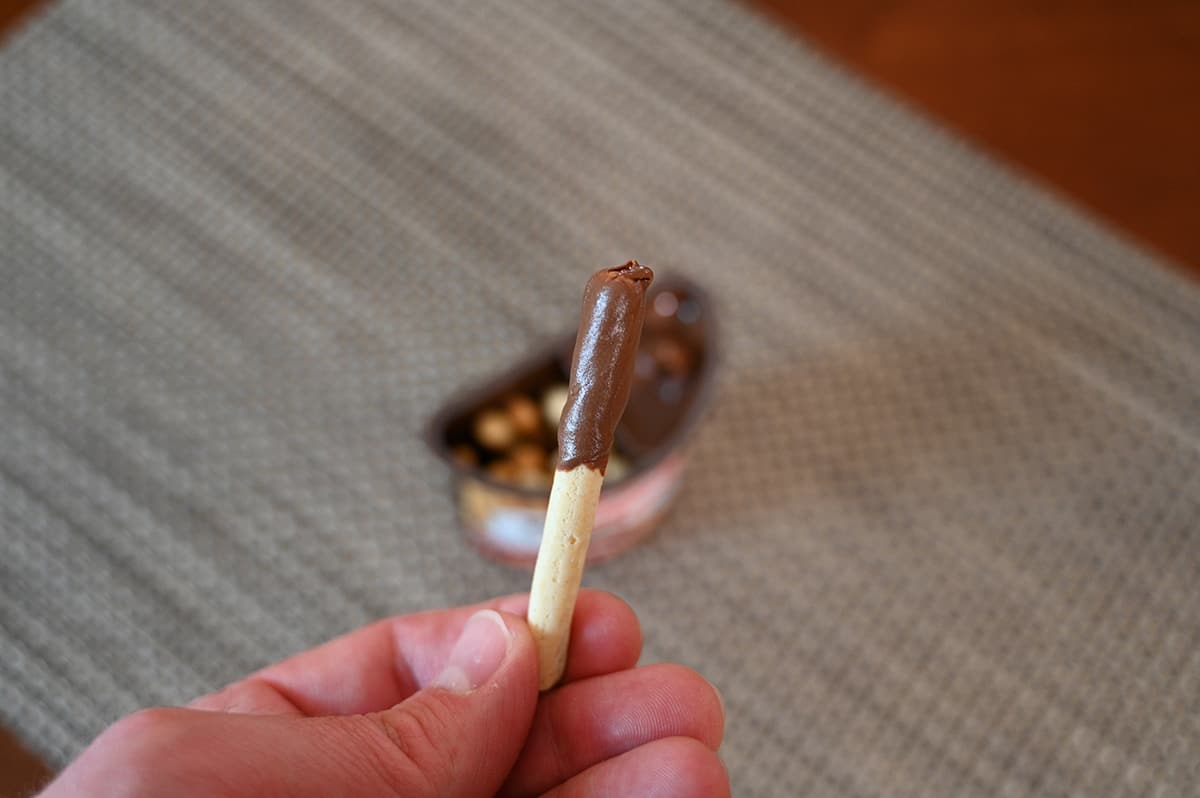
x=21 y=773
x=12 y=11
x=1099 y=99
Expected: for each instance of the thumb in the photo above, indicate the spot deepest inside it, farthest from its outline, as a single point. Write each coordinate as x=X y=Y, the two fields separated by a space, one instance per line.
x=461 y=734
x=458 y=736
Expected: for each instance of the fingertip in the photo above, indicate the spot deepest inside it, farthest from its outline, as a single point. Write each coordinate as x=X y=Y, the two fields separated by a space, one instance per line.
x=608 y=716
x=467 y=724
x=599 y=608
x=522 y=653
x=670 y=766
x=516 y=624
x=701 y=699
x=606 y=636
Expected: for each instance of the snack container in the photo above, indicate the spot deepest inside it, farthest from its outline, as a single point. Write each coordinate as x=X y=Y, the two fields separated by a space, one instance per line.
x=504 y=520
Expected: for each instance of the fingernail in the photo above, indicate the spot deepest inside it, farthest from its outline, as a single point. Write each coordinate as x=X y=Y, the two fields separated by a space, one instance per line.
x=478 y=654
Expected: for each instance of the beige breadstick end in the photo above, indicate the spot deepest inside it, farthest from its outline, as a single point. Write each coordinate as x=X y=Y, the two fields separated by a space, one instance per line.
x=559 y=569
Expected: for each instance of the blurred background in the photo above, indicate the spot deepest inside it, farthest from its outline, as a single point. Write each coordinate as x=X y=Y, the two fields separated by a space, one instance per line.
x=1095 y=99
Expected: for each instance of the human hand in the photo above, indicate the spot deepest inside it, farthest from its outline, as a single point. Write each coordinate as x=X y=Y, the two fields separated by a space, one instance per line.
x=442 y=703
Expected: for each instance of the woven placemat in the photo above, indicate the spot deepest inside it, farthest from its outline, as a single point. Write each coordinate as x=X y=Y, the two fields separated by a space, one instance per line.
x=940 y=534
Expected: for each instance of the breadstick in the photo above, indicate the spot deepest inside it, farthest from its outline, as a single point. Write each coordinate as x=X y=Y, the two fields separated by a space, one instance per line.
x=614 y=305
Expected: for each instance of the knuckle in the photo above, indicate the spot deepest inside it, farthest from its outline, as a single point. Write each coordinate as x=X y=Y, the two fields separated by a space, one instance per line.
x=132 y=757
x=705 y=707
x=420 y=740
x=145 y=725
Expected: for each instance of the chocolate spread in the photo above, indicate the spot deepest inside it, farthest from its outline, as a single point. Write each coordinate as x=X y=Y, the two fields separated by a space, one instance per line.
x=614 y=306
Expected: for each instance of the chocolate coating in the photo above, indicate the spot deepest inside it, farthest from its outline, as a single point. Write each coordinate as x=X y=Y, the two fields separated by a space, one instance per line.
x=614 y=306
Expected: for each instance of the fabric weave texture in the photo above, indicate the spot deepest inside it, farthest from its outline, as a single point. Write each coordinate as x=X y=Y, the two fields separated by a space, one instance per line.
x=940 y=533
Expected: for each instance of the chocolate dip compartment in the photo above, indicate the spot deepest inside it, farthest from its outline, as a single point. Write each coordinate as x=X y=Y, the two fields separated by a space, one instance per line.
x=500 y=438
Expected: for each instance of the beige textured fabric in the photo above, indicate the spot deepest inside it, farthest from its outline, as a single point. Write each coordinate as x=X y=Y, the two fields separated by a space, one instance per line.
x=940 y=535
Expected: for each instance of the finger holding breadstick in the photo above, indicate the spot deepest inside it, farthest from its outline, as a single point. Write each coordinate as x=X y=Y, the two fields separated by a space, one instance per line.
x=614 y=305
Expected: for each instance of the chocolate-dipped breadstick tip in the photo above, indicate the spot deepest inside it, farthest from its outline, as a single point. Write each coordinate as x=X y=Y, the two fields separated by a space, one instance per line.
x=614 y=306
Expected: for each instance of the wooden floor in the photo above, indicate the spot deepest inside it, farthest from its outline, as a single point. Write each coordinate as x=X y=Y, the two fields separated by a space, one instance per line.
x=1099 y=99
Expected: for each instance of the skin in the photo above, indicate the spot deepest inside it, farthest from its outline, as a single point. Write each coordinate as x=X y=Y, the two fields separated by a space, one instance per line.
x=358 y=716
